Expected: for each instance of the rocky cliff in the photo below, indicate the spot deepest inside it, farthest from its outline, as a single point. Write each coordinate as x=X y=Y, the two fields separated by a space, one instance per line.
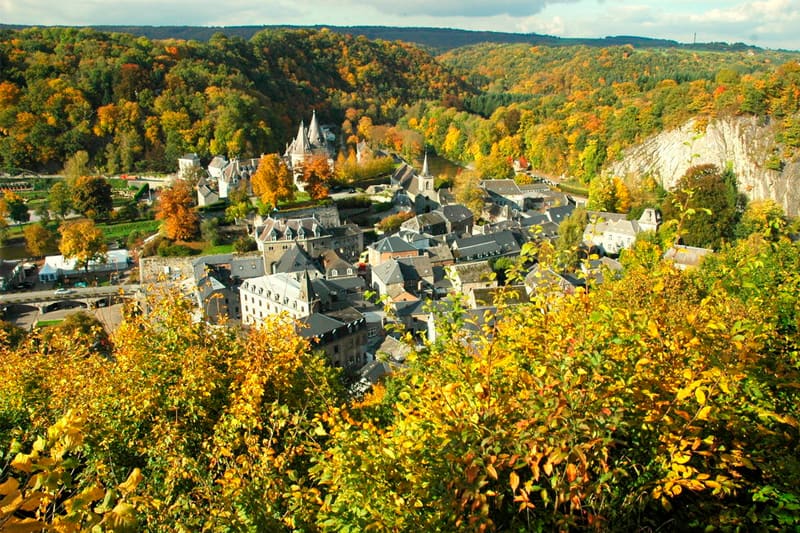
x=746 y=143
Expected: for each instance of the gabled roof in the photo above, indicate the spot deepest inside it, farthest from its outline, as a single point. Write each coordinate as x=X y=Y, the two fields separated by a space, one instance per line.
x=331 y=260
x=290 y=228
x=295 y=259
x=502 y=242
x=403 y=270
x=392 y=244
x=394 y=349
x=559 y=213
x=403 y=175
x=471 y=272
x=502 y=187
x=218 y=162
x=456 y=213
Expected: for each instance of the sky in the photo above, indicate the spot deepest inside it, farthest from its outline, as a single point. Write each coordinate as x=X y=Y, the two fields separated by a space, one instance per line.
x=765 y=23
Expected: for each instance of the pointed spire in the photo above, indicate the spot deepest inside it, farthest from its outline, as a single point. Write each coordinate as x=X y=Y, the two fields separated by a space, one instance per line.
x=425 y=165
x=301 y=144
x=314 y=132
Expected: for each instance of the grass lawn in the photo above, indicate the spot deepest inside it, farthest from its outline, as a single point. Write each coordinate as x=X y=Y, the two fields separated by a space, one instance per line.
x=218 y=249
x=122 y=230
x=48 y=323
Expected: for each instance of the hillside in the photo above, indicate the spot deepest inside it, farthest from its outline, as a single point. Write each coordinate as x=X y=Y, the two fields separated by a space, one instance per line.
x=435 y=39
x=573 y=112
x=135 y=103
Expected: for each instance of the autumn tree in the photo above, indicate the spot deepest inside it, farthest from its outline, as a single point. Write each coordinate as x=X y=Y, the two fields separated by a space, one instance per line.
x=467 y=191
x=764 y=217
x=494 y=165
x=175 y=209
x=39 y=241
x=316 y=175
x=91 y=196
x=609 y=194
x=272 y=180
x=83 y=241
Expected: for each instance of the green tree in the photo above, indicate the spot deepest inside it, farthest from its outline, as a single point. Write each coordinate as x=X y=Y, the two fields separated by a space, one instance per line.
x=705 y=205
x=91 y=196
x=763 y=217
x=77 y=166
x=570 y=237
x=59 y=199
x=209 y=230
x=16 y=206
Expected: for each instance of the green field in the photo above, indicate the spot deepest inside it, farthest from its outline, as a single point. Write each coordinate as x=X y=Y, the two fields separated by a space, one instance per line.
x=121 y=231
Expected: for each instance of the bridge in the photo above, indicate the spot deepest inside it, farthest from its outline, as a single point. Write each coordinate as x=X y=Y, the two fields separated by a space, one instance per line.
x=87 y=297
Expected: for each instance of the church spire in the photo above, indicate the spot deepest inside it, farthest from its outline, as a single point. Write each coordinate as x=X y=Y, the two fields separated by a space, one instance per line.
x=425 y=165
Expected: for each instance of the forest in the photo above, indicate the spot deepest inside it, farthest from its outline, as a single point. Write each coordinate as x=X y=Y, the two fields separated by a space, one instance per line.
x=136 y=104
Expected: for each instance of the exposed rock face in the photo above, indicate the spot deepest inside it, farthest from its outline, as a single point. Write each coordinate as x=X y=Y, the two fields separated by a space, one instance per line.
x=743 y=142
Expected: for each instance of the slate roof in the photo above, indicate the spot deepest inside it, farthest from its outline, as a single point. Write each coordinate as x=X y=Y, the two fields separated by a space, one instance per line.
x=392 y=244
x=403 y=175
x=471 y=272
x=500 y=243
x=456 y=213
x=295 y=259
x=559 y=213
x=291 y=228
x=502 y=187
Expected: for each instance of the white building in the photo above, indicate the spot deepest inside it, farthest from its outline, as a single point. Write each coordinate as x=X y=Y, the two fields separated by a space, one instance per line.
x=613 y=235
x=276 y=293
x=57 y=266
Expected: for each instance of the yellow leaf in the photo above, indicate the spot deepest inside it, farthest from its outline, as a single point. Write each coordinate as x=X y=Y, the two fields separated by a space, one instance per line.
x=681 y=458
x=514 y=478
x=652 y=329
x=700 y=396
x=8 y=486
x=132 y=482
x=491 y=471
x=724 y=386
x=703 y=413
x=548 y=468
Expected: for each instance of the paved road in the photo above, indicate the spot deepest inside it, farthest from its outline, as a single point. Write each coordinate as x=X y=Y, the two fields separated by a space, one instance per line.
x=32 y=297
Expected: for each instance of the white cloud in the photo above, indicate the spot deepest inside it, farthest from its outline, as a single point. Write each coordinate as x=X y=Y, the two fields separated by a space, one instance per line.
x=770 y=23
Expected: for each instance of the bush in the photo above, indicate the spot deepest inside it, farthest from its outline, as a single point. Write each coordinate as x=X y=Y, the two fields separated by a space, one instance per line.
x=245 y=243
x=167 y=248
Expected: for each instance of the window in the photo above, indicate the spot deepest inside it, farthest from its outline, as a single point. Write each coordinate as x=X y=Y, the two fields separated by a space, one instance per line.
x=334 y=272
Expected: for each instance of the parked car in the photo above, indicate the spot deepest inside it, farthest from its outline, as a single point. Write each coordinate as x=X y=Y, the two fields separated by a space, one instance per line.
x=26 y=285
x=63 y=292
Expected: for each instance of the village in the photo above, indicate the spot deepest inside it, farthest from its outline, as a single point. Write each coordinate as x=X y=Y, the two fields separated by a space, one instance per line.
x=355 y=299
x=356 y=296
